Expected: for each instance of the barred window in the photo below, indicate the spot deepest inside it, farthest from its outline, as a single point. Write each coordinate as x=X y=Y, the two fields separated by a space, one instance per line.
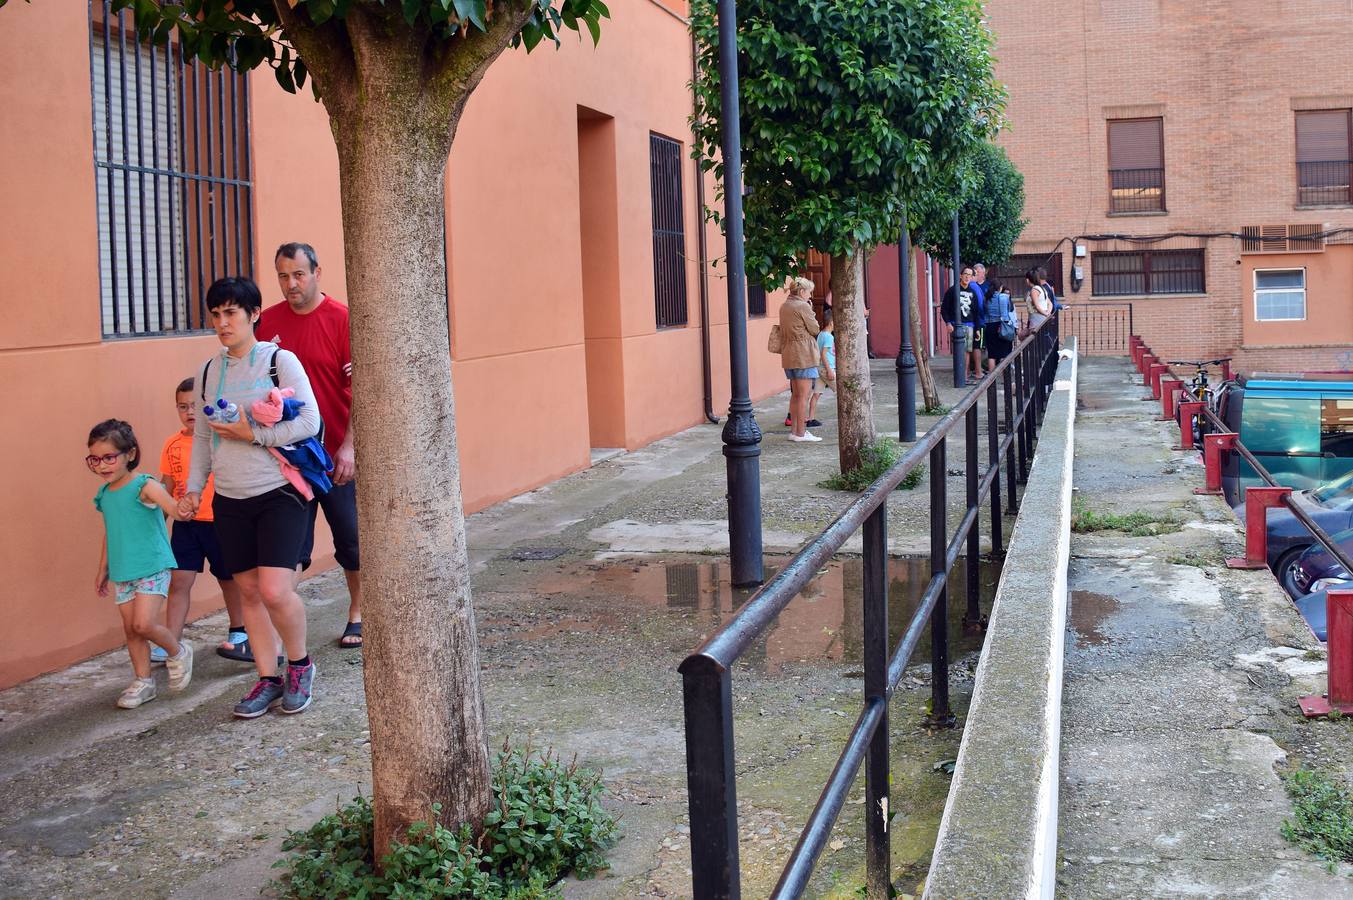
x=1136 y=165
x=172 y=177
x=1324 y=161
x=1140 y=272
x=669 y=232
x=756 y=299
x=1011 y=272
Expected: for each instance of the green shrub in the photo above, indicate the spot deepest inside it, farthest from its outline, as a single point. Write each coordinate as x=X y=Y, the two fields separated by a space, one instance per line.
x=1137 y=523
x=547 y=820
x=1323 y=820
x=875 y=459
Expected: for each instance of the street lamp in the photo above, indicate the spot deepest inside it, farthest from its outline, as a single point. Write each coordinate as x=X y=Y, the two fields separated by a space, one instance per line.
x=960 y=364
x=906 y=355
x=741 y=435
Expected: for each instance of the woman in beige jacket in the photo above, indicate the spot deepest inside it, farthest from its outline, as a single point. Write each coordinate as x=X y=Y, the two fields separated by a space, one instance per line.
x=798 y=354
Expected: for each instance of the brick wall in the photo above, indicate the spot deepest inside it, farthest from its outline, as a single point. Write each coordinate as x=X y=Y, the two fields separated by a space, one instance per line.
x=1226 y=82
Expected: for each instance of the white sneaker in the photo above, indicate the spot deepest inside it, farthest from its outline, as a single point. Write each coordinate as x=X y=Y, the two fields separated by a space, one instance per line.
x=180 y=667
x=136 y=693
x=806 y=437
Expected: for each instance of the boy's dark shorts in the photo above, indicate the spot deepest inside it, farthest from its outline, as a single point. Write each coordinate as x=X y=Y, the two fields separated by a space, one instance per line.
x=195 y=542
x=266 y=530
x=340 y=511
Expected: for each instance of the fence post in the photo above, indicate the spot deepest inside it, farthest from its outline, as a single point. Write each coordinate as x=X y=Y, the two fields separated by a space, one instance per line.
x=939 y=616
x=1011 y=506
x=1021 y=435
x=972 y=616
x=1258 y=501
x=878 y=859
x=1158 y=370
x=1168 y=388
x=707 y=693
x=994 y=462
x=1339 y=637
x=1188 y=411
x=1213 y=445
x=1144 y=364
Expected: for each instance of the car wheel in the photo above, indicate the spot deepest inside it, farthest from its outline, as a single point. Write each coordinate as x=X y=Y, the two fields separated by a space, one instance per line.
x=1283 y=571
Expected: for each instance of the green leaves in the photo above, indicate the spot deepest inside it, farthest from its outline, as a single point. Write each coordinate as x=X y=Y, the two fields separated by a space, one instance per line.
x=989 y=193
x=848 y=109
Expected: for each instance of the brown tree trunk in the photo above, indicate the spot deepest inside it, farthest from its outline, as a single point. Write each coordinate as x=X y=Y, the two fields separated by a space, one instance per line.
x=854 y=388
x=929 y=393
x=394 y=99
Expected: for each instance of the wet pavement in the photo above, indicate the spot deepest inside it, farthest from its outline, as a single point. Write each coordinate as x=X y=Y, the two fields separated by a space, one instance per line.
x=1181 y=679
x=588 y=593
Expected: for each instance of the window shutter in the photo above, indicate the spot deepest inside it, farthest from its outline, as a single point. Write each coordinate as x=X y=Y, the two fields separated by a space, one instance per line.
x=1136 y=144
x=1322 y=135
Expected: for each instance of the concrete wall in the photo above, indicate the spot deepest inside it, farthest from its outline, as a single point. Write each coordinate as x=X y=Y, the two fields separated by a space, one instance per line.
x=554 y=345
x=1227 y=81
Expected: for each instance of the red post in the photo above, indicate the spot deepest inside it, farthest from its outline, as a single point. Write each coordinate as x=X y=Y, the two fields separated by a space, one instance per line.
x=1169 y=389
x=1339 y=635
x=1188 y=411
x=1226 y=371
x=1134 y=348
x=1158 y=370
x=1213 y=445
x=1144 y=364
x=1258 y=501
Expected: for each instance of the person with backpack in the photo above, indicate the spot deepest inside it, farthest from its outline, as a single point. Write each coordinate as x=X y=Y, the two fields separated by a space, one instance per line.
x=260 y=516
x=1000 y=326
x=1048 y=292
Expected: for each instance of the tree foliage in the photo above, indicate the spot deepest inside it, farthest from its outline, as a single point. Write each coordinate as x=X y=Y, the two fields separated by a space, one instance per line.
x=990 y=213
x=850 y=109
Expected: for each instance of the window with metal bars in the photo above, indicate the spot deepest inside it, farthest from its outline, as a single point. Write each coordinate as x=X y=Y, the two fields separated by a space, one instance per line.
x=1136 y=165
x=1324 y=160
x=1011 y=273
x=669 y=232
x=756 y=299
x=172 y=177
x=1142 y=272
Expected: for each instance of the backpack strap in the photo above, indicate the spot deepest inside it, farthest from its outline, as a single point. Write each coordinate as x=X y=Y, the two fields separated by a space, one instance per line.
x=272 y=367
x=203 y=382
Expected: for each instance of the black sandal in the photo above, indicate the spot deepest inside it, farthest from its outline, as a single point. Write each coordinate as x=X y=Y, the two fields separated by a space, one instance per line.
x=354 y=629
x=241 y=651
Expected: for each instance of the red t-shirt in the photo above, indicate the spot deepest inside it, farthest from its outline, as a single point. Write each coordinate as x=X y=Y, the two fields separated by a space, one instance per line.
x=319 y=339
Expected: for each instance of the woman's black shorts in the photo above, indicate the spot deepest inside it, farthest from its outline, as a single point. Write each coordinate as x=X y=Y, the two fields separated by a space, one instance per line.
x=266 y=530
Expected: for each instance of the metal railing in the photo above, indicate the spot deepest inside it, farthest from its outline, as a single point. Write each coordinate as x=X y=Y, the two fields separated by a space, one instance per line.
x=1024 y=381
x=1136 y=190
x=1324 y=182
x=1098 y=327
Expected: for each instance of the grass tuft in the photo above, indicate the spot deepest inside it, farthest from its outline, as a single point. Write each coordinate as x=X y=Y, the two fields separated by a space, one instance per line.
x=1322 y=821
x=1137 y=524
x=875 y=459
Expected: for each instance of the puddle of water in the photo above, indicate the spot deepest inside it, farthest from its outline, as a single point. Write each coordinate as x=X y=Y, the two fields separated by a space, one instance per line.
x=1089 y=611
x=825 y=622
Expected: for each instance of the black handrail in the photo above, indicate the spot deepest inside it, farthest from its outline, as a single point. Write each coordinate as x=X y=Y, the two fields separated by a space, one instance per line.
x=707 y=673
x=1321 y=536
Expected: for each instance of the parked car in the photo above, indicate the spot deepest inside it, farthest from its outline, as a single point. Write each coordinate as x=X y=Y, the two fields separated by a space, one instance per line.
x=1317 y=569
x=1330 y=506
x=1315 y=611
x=1300 y=427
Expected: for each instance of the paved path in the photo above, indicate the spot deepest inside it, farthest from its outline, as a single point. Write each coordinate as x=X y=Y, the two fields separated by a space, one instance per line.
x=1181 y=683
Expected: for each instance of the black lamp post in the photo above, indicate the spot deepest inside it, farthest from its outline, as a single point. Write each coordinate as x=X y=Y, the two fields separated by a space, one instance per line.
x=906 y=355
x=960 y=364
x=741 y=435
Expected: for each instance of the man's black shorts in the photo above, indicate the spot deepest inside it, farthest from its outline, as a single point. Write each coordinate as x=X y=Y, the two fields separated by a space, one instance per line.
x=340 y=511
x=195 y=542
x=266 y=530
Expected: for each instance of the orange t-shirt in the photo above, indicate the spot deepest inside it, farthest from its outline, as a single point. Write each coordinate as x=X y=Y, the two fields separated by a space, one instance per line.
x=175 y=461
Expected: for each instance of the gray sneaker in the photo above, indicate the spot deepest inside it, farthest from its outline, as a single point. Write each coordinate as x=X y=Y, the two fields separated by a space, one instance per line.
x=180 y=667
x=262 y=697
x=299 y=682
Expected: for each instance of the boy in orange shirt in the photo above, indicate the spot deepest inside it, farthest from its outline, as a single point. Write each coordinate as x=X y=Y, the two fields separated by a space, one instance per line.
x=194 y=541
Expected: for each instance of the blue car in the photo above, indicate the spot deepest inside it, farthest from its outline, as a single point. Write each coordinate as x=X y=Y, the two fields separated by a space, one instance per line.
x=1330 y=505
x=1316 y=568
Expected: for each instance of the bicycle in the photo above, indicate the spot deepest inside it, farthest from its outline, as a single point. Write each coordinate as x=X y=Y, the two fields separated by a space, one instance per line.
x=1200 y=390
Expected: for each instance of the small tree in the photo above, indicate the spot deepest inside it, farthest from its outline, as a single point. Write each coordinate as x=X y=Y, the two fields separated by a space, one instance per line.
x=394 y=78
x=849 y=109
x=990 y=202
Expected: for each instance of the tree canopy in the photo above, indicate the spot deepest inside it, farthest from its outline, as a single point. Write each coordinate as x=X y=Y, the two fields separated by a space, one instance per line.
x=850 y=109
x=990 y=213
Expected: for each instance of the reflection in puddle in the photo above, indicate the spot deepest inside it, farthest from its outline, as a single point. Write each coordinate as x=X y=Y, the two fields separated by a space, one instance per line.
x=825 y=622
x=1088 y=612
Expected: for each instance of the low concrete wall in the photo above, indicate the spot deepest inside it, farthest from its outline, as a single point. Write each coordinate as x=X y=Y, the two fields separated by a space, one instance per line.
x=998 y=837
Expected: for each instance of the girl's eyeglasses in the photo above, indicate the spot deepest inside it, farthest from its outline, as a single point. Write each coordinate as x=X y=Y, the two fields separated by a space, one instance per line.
x=107 y=459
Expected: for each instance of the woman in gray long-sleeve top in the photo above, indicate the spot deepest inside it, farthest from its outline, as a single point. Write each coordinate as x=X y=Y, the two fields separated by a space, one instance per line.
x=261 y=519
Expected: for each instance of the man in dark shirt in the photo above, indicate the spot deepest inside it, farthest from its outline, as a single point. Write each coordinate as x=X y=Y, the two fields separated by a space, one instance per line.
x=962 y=311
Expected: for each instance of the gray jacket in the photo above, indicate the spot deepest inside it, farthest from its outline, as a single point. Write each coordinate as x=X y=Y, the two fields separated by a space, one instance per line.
x=245 y=469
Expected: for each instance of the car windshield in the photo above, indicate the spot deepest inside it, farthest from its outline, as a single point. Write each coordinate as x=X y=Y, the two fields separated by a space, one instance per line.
x=1340 y=490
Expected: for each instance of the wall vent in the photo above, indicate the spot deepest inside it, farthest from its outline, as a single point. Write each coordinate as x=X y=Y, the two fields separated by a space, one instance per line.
x=1281 y=239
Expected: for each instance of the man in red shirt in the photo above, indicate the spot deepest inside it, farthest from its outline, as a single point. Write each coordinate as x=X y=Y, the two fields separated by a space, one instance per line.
x=314 y=326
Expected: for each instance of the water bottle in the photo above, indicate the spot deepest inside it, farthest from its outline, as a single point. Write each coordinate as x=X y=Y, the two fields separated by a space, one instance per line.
x=227 y=411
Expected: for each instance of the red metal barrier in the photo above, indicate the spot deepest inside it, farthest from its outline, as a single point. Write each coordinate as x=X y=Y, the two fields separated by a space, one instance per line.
x=1213 y=445
x=1188 y=411
x=1258 y=501
x=1226 y=371
x=1158 y=370
x=1169 y=389
x=1339 y=634
x=1148 y=360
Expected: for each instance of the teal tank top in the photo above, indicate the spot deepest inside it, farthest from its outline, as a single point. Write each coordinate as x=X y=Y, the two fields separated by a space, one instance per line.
x=138 y=542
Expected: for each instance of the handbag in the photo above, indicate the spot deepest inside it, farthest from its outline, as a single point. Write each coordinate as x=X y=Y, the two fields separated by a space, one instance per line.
x=775 y=343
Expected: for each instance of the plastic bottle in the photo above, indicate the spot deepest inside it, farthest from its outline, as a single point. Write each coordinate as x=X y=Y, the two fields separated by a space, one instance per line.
x=227 y=411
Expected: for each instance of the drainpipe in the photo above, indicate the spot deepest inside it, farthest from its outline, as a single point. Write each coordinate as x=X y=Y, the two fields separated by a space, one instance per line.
x=703 y=256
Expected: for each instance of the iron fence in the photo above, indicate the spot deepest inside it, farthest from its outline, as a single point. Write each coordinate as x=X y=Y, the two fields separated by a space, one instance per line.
x=1023 y=381
x=1326 y=181
x=1098 y=327
x=1136 y=190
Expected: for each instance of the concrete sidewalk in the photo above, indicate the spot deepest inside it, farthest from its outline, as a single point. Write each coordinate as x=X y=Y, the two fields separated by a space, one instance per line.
x=1179 y=705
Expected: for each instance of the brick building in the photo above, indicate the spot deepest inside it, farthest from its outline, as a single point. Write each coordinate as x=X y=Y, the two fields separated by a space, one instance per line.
x=1193 y=159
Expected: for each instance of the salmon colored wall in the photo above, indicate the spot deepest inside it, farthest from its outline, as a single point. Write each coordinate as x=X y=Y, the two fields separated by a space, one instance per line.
x=516 y=288
x=1328 y=276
